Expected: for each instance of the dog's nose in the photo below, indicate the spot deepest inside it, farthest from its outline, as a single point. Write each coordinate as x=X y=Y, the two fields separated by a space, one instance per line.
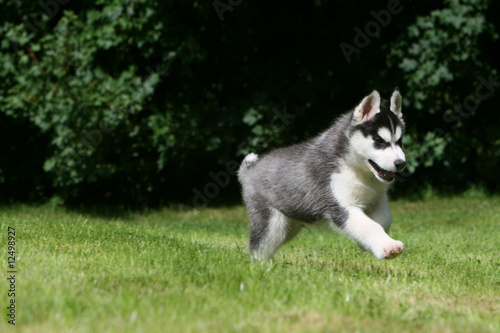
x=400 y=165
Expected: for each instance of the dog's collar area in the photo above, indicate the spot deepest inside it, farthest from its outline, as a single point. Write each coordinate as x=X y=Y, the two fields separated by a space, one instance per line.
x=384 y=175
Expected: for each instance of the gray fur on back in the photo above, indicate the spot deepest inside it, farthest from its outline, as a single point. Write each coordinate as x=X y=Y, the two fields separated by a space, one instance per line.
x=296 y=180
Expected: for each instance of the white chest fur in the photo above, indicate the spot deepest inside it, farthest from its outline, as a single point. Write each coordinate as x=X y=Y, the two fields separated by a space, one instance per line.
x=356 y=189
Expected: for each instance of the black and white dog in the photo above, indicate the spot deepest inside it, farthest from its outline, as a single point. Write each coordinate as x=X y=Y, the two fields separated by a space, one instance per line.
x=340 y=176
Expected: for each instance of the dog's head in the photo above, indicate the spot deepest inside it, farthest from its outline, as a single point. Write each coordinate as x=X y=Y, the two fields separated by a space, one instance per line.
x=377 y=134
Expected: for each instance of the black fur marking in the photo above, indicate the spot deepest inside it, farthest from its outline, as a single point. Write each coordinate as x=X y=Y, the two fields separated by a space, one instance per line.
x=379 y=143
x=400 y=142
x=381 y=119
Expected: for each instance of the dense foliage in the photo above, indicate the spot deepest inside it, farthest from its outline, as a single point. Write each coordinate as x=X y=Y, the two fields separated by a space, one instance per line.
x=154 y=101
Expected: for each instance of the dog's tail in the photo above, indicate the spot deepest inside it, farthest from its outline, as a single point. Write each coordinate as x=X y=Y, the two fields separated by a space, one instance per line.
x=247 y=163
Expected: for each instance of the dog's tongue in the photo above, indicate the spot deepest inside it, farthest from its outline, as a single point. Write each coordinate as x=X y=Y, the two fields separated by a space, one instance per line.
x=387 y=175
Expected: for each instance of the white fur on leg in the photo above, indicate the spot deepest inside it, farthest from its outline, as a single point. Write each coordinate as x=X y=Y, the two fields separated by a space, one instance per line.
x=357 y=192
x=371 y=235
x=281 y=229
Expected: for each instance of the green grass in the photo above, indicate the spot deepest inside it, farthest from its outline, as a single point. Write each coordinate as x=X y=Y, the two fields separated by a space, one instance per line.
x=168 y=271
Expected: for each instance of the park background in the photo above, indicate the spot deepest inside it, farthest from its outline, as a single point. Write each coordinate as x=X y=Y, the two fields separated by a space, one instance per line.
x=151 y=102
x=117 y=117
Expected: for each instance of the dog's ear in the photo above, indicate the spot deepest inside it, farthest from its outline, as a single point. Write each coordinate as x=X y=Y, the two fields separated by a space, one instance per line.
x=396 y=100
x=368 y=108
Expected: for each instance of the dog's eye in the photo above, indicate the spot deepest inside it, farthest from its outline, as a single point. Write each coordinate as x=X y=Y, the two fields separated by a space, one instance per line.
x=379 y=140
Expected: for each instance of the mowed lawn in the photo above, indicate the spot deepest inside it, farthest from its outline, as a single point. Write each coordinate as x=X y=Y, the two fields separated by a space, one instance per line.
x=189 y=271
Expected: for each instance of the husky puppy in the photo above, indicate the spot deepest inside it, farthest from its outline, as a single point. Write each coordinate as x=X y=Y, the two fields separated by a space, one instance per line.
x=340 y=176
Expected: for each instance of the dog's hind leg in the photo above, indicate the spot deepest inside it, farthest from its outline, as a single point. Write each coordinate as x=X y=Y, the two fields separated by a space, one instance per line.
x=269 y=231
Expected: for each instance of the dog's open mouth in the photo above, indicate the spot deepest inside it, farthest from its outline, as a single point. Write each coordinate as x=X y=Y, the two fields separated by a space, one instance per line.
x=385 y=175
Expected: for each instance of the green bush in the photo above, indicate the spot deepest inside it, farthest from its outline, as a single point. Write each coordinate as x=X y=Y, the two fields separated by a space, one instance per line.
x=450 y=82
x=139 y=101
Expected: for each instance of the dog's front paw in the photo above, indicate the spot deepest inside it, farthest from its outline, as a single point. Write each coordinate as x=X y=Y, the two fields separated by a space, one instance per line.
x=390 y=250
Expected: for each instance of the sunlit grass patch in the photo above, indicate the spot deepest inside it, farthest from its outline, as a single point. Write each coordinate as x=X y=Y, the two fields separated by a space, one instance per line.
x=189 y=271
